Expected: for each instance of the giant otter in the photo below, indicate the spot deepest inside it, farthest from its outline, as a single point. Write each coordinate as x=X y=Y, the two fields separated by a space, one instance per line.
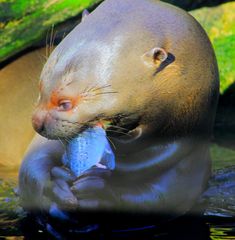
x=148 y=69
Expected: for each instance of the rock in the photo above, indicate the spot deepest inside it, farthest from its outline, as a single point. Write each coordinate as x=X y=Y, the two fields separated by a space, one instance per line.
x=221 y=157
x=220 y=194
x=193 y=4
x=219 y=24
x=23 y=23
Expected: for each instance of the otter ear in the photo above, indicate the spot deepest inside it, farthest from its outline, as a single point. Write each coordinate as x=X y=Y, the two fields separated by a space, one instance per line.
x=155 y=57
x=85 y=13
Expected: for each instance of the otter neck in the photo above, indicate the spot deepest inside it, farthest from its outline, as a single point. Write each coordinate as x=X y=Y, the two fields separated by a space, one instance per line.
x=163 y=155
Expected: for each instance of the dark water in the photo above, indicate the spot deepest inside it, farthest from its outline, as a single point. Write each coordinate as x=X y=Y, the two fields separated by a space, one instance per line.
x=217 y=222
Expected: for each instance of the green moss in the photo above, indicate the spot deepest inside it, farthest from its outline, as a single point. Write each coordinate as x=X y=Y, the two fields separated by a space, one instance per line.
x=219 y=24
x=225 y=52
x=221 y=157
x=26 y=22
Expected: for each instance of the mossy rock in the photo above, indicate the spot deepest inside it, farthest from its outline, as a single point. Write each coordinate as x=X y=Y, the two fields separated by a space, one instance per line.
x=25 y=22
x=219 y=23
x=222 y=157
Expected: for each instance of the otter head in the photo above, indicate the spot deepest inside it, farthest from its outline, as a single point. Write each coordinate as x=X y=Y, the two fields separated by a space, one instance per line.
x=92 y=88
x=116 y=71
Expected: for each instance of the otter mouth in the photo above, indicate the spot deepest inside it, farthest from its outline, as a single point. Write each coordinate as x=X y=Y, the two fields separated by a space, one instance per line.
x=120 y=125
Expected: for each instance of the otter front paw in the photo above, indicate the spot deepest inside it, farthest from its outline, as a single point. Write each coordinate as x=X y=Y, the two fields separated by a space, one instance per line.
x=89 y=191
x=92 y=189
x=34 y=179
x=60 y=191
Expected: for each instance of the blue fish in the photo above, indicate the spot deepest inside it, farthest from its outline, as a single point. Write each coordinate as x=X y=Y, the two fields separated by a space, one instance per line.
x=89 y=148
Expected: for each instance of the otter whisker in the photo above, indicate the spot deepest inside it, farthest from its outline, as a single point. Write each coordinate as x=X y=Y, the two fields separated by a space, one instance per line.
x=68 y=138
x=47 y=55
x=96 y=88
x=102 y=93
x=101 y=87
x=111 y=142
x=64 y=35
x=89 y=89
x=61 y=143
x=51 y=39
x=41 y=57
x=109 y=130
x=84 y=90
x=118 y=127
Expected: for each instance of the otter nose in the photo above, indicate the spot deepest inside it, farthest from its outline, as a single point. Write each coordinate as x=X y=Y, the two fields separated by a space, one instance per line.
x=38 y=124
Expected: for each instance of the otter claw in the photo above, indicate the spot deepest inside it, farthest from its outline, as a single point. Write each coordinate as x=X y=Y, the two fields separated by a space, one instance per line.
x=63 y=194
x=62 y=173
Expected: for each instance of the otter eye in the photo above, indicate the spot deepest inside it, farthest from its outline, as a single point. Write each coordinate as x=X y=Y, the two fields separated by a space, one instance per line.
x=65 y=105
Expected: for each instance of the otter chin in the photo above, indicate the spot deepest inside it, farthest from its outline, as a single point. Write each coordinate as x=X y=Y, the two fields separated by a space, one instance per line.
x=148 y=70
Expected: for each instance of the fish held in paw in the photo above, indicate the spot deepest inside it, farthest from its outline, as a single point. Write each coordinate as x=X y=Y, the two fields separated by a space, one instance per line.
x=87 y=149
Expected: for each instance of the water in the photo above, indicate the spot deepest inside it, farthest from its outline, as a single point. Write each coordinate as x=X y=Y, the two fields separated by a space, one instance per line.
x=217 y=222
